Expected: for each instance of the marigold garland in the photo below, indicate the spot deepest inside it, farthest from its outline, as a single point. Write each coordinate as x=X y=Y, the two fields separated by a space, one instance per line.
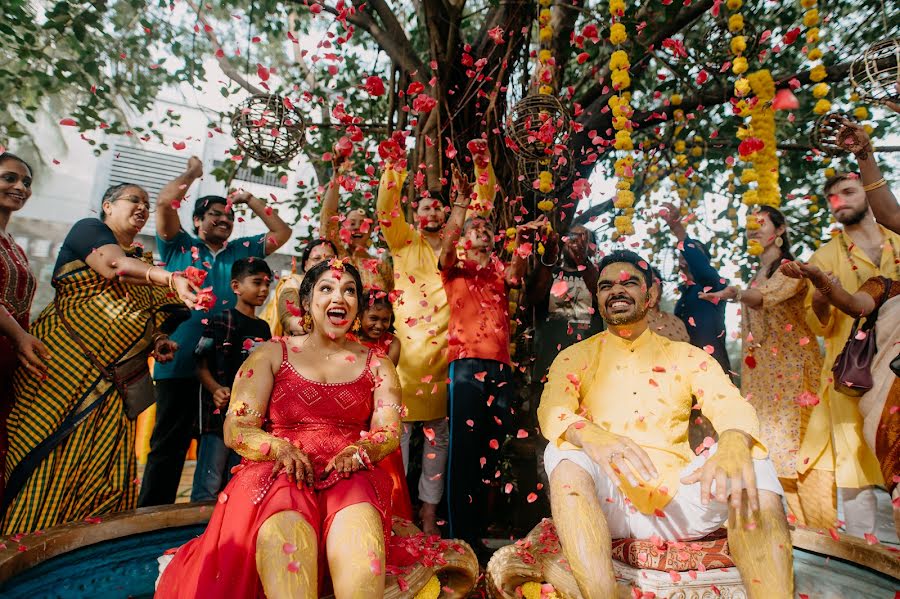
x=818 y=73
x=620 y=107
x=431 y=590
x=536 y=590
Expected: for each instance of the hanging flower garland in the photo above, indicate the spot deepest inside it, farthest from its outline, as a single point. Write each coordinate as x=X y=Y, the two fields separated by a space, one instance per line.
x=758 y=149
x=811 y=20
x=620 y=106
x=544 y=78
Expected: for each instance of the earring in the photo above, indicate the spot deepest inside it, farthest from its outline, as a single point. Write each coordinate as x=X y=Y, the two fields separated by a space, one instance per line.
x=779 y=242
x=356 y=325
x=307 y=322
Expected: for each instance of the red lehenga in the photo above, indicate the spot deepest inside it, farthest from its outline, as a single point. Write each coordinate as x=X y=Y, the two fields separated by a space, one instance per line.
x=325 y=418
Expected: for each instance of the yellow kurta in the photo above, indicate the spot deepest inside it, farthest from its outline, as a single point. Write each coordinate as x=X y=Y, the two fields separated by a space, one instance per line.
x=643 y=389
x=421 y=312
x=834 y=438
x=788 y=362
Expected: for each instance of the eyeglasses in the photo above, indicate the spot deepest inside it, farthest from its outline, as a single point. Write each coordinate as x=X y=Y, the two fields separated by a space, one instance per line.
x=136 y=200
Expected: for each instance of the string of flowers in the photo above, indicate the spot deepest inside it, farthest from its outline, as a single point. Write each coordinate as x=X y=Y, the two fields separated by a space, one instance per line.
x=544 y=78
x=811 y=20
x=620 y=106
x=758 y=149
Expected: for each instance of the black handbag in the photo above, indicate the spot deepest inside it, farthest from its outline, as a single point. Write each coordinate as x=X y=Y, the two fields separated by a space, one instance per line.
x=852 y=368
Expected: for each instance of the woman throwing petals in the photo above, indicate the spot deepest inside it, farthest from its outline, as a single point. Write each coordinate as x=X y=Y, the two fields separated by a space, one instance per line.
x=310 y=415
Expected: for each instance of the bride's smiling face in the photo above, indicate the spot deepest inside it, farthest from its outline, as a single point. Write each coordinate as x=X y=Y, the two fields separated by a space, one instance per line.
x=334 y=302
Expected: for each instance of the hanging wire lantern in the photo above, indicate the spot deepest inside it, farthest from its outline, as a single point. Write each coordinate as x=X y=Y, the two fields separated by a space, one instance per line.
x=537 y=124
x=268 y=128
x=824 y=136
x=876 y=74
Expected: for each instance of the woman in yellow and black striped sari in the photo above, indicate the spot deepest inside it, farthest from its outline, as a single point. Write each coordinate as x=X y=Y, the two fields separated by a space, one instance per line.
x=71 y=451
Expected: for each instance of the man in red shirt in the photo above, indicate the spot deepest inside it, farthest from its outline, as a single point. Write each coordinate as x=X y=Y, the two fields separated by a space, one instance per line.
x=477 y=283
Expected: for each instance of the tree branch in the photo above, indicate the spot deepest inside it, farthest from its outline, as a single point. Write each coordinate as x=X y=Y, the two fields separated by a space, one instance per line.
x=224 y=63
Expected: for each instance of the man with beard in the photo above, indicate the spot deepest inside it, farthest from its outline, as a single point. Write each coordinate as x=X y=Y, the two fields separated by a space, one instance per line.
x=209 y=249
x=615 y=410
x=421 y=318
x=833 y=441
x=562 y=293
x=352 y=234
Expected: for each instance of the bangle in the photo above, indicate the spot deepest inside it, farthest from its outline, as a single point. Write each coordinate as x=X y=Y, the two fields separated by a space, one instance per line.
x=824 y=289
x=172 y=276
x=158 y=337
x=552 y=264
x=147 y=275
x=873 y=186
x=739 y=295
x=461 y=205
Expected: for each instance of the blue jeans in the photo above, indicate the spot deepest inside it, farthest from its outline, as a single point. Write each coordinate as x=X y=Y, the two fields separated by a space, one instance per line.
x=214 y=463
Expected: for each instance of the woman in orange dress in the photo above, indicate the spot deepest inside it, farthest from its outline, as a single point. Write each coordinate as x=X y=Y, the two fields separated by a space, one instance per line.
x=781 y=364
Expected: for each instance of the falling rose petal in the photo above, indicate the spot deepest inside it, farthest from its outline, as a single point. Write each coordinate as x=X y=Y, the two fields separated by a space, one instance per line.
x=262 y=72
x=264 y=448
x=521 y=434
x=804 y=341
x=493 y=444
x=559 y=288
x=860 y=335
x=532 y=497
x=675 y=576
x=470 y=422
x=709 y=349
x=223 y=497
x=293 y=567
x=288 y=548
x=179 y=145
x=834 y=534
x=479 y=376
x=508 y=488
x=67 y=122
x=870 y=538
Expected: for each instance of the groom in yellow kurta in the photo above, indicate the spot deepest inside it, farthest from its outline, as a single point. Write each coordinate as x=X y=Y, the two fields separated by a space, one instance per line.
x=421 y=317
x=834 y=440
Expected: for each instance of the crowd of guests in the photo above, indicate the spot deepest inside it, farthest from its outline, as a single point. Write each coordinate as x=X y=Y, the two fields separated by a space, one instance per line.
x=305 y=440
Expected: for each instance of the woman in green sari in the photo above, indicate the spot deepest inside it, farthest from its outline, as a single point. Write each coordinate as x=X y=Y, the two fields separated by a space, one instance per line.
x=72 y=452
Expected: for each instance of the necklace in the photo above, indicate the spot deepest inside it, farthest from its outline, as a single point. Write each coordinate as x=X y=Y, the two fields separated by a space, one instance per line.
x=854 y=266
x=327 y=356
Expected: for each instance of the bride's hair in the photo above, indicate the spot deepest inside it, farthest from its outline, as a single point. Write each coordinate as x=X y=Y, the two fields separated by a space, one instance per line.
x=315 y=273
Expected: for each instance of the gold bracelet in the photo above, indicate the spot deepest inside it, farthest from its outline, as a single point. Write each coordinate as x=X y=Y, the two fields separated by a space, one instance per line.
x=172 y=276
x=826 y=289
x=147 y=275
x=461 y=205
x=873 y=186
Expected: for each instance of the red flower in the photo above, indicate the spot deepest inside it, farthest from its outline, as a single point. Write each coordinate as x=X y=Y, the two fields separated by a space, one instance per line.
x=414 y=88
x=195 y=276
x=206 y=299
x=424 y=103
x=374 y=86
x=750 y=145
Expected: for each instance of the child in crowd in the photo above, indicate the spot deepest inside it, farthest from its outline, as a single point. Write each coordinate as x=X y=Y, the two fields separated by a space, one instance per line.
x=376 y=320
x=227 y=341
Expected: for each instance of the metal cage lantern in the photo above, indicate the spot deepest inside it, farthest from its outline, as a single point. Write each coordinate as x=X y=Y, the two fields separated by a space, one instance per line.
x=268 y=128
x=537 y=124
x=824 y=136
x=876 y=74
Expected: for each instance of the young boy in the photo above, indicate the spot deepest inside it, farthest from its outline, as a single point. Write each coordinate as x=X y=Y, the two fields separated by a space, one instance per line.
x=227 y=340
x=477 y=283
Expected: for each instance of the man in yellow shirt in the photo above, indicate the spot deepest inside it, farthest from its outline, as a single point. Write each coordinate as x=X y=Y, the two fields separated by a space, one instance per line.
x=421 y=317
x=833 y=442
x=616 y=409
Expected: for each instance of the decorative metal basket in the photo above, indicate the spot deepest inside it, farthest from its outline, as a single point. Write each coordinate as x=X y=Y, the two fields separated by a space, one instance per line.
x=537 y=124
x=876 y=74
x=824 y=136
x=268 y=128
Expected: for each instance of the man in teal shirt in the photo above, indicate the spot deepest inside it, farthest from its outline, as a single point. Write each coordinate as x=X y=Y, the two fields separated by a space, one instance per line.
x=209 y=249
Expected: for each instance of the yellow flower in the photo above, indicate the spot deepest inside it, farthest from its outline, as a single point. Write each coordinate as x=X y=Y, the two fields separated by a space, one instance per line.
x=868 y=129
x=624 y=225
x=812 y=35
x=820 y=90
x=829 y=172
x=546 y=90
x=811 y=18
x=617 y=34
x=431 y=590
x=619 y=60
x=740 y=65
x=752 y=222
x=814 y=54
x=861 y=113
x=748 y=175
x=545 y=181
x=680 y=146
x=545 y=205
x=544 y=16
x=545 y=56
x=735 y=23
x=807 y=3
x=624 y=199
x=738 y=44
x=623 y=141
x=854 y=97
x=754 y=248
x=750 y=197
x=621 y=123
x=624 y=183
x=616 y=7
x=741 y=87
x=545 y=3
x=621 y=79
x=676 y=99
x=822 y=106
x=546 y=33
x=818 y=73
x=682 y=193
x=696 y=151
x=734 y=4
x=678 y=115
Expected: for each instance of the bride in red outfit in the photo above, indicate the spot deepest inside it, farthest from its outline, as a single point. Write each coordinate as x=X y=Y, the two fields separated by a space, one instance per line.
x=310 y=416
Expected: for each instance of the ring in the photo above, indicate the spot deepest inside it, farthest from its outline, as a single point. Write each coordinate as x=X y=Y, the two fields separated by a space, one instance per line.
x=615 y=455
